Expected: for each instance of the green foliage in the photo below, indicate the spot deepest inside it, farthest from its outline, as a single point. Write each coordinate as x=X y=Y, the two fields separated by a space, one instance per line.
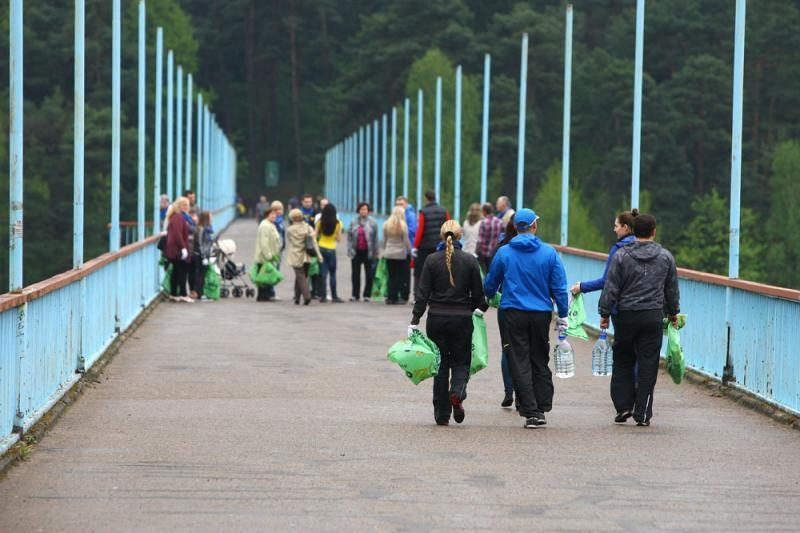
x=784 y=219
x=581 y=232
x=705 y=241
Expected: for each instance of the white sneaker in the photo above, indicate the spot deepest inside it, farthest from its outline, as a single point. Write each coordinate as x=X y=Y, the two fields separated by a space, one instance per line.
x=186 y=299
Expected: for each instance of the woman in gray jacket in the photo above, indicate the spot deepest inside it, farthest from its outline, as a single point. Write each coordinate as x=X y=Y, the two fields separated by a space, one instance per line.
x=396 y=250
x=362 y=249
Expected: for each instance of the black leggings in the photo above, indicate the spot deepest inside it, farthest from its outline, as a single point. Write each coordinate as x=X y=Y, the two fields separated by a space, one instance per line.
x=453 y=336
x=180 y=269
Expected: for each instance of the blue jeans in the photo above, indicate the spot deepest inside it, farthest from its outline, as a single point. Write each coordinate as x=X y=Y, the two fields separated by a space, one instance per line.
x=328 y=266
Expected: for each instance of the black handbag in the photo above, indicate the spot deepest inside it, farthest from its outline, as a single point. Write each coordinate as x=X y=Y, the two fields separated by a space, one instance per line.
x=310 y=248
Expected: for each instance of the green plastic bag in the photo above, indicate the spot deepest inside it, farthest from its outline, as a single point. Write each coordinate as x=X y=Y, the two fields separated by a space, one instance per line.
x=166 y=283
x=480 y=345
x=313 y=267
x=494 y=301
x=417 y=355
x=266 y=275
x=676 y=363
x=211 y=284
x=576 y=318
x=379 y=282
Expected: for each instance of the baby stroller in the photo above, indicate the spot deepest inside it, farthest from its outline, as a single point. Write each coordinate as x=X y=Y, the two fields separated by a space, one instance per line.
x=234 y=281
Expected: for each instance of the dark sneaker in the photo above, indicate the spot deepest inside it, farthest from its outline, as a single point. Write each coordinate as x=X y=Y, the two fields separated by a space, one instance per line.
x=458 y=409
x=643 y=423
x=507 y=401
x=443 y=422
x=337 y=300
x=622 y=417
x=353 y=299
x=535 y=421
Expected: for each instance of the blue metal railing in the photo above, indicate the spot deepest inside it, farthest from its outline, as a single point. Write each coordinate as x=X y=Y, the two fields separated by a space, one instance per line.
x=764 y=329
x=53 y=330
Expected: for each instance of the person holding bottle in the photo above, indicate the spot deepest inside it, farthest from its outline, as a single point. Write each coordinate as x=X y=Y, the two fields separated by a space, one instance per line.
x=623 y=228
x=532 y=276
x=450 y=288
x=641 y=286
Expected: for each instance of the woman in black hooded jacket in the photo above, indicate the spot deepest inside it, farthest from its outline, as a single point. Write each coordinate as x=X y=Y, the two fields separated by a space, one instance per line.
x=450 y=288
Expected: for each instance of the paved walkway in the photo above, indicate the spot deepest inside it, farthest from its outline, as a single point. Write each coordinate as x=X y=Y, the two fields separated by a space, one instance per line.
x=239 y=415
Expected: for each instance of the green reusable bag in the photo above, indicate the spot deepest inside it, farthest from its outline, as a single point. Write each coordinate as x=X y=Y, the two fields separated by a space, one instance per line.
x=576 y=318
x=313 y=267
x=480 y=345
x=166 y=283
x=417 y=355
x=266 y=275
x=211 y=284
x=494 y=301
x=676 y=363
x=379 y=282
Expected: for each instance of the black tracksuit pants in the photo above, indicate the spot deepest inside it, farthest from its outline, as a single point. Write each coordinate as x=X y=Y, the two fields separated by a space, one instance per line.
x=453 y=336
x=526 y=340
x=637 y=341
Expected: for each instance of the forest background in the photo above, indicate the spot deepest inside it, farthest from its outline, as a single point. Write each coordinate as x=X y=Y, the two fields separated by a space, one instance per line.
x=288 y=79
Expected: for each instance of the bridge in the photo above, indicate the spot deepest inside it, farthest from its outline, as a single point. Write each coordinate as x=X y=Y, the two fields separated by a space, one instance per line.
x=122 y=411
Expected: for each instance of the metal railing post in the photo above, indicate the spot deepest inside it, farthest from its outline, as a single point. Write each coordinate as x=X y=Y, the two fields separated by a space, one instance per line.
x=523 y=89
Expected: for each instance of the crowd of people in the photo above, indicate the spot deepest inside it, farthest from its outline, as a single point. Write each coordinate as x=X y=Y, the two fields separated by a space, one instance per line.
x=456 y=269
x=186 y=244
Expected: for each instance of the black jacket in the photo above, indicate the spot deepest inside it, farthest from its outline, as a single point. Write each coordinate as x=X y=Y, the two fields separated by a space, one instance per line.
x=434 y=287
x=642 y=277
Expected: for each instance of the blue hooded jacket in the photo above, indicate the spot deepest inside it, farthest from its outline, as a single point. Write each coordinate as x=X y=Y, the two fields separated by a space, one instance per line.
x=599 y=283
x=411 y=222
x=532 y=276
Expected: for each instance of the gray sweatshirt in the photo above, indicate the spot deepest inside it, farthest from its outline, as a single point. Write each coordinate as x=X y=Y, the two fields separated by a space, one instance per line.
x=642 y=277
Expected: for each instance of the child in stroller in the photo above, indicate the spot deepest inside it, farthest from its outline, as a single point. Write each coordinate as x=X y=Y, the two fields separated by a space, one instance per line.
x=234 y=281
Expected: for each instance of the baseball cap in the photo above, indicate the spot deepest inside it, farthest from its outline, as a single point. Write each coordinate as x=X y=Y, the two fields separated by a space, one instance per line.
x=524 y=218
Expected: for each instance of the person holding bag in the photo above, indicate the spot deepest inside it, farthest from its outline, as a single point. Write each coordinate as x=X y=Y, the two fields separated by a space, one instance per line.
x=450 y=288
x=396 y=250
x=301 y=246
x=268 y=250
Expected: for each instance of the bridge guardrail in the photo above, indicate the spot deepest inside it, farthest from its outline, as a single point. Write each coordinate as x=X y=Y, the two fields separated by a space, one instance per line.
x=54 y=329
x=765 y=331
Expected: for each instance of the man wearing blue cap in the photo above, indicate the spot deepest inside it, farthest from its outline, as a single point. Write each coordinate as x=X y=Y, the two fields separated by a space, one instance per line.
x=532 y=277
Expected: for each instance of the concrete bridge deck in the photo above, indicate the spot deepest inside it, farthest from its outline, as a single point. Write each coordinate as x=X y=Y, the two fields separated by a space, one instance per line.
x=251 y=416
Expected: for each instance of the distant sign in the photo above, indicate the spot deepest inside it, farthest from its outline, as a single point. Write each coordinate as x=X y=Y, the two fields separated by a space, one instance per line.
x=271 y=174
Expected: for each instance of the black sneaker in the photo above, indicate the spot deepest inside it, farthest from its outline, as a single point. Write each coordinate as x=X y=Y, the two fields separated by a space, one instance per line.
x=443 y=422
x=643 y=423
x=535 y=421
x=622 y=417
x=507 y=401
x=353 y=299
x=458 y=409
x=337 y=300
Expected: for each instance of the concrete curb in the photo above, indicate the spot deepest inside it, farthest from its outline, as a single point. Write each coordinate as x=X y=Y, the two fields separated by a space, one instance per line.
x=743 y=398
x=20 y=451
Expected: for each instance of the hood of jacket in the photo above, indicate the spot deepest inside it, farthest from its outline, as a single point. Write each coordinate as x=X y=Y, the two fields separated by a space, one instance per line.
x=644 y=251
x=526 y=243
x=625 y=241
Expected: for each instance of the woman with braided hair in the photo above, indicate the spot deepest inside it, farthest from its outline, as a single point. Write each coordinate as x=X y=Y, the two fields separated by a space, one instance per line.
x=450 y=288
